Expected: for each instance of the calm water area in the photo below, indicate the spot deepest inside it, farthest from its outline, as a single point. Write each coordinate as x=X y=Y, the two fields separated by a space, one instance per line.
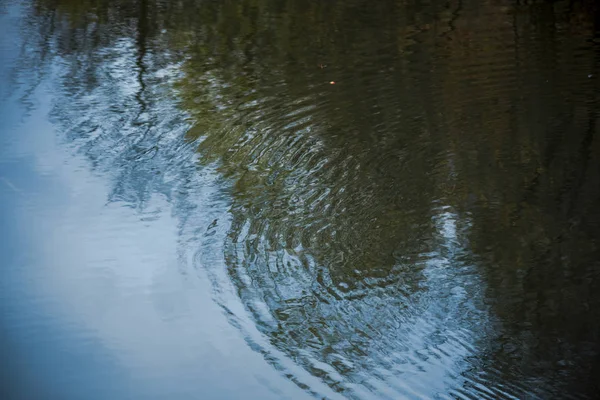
x=296 y=199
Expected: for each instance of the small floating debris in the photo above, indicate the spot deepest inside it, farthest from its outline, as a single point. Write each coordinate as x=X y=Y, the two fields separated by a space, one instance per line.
x=332 y=83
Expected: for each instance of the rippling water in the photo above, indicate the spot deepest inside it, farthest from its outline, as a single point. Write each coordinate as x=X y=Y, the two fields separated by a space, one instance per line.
x=289 y=199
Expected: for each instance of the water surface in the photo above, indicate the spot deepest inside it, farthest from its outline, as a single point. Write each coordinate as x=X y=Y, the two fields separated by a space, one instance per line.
x=296 y=199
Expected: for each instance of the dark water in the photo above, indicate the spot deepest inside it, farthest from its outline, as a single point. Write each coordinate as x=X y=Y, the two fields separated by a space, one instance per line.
x=294 y=199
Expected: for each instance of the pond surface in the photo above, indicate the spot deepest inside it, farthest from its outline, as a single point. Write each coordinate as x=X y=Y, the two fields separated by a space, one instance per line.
x=271 y=199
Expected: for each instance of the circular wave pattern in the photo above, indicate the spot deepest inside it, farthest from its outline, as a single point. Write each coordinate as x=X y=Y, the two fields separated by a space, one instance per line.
x=340 y=256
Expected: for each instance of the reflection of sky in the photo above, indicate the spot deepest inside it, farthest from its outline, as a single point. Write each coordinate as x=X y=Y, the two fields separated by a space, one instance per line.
x=94 y=298
x=96 y=301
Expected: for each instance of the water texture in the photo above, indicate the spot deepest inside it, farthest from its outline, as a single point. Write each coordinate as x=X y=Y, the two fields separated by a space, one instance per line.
x=296 y=199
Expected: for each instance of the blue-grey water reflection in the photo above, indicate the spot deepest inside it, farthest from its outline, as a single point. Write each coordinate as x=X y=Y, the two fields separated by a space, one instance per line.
x=296 y=199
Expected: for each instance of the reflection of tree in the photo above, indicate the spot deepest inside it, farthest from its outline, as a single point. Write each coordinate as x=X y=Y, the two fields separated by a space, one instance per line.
x=331 y=215
x=340 y=191
x=528 y=181
x=492 y=90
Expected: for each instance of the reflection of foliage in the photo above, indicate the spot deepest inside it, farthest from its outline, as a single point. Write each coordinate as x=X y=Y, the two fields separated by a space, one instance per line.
x=338 y=188
x=519 y=159
x=528 y=175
